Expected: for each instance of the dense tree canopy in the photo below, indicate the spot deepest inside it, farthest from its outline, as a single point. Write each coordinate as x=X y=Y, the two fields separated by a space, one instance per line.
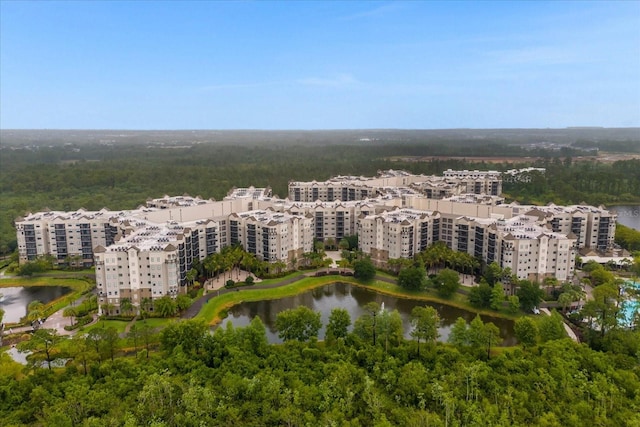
x=446 y=282
x=234 y=377
x=413 y=278
x=299 y=324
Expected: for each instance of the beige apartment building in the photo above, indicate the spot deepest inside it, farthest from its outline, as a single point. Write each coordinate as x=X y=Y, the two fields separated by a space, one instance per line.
x=147 y=252
x=397 y=233
x=272 y=236
x=349 y=188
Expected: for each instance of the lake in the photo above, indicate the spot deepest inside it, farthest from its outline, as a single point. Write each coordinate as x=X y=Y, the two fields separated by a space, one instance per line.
x=15 y=300
x=628 y=215
x=353 y=299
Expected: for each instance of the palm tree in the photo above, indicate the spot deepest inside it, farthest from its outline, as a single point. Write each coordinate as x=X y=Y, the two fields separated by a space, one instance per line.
x=35 y=310
x=107 y=308
x=343 y=264
x=93 y=302
x=70 y=312
x=165 y=306
x=146 y=304
x=192 y=275
x=126 y=306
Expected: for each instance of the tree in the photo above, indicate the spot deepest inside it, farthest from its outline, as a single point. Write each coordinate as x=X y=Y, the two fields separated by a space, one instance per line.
x=107 y=308
x=459 y=335
x=364 y=270
x=192 y=275
x=526 y=331
x=492 y=273
x=1 y=323
x=552 y=327
x=146 y=333
x=81 y=351
x=497 y=296
x=425 y=322
x=165 y=306
x=35 y=310
x=299 y=324
x=43 y=342
x=389 y=328
x=514 y=304
x=189 y=334
x=70 y=312
x=134 y=335
x=182 y=302
x=492 y=333
x=529 y=294
x=477 y=334
x=126 y=306
x=338 y=326
x=146 y=304
x=110 y=341
x=565 y=299
x=480 y=296
x=365 y=326
x=603 y=309
x=447 y=282
x=412 y=278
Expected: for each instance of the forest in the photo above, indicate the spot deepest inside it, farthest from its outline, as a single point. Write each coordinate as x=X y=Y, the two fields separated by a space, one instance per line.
x=235 y=377
x=68 y=176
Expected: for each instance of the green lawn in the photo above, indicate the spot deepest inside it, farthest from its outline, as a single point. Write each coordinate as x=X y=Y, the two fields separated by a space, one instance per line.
x=118 y=324
x=156 y=322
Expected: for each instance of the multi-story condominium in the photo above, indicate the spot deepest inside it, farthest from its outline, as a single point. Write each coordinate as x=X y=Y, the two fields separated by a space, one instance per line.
x=477 y=182
x=176 y=201
x=528 y=247
x=348 y=188
x=147 y=252
x=272 y=236
x=530 y=250
x=64 y=235
x=594 y=227
x=477 y=199
x=334 y=220
x=150 y=260
x=249 y=193
x=398 y=233
x=521 y=175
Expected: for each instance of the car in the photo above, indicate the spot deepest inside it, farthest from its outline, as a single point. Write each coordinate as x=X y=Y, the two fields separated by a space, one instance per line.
x=535 y=310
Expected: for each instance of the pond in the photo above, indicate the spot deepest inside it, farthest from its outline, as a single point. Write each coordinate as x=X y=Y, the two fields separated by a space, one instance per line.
x=353 y=299
x=14 y=300
x=628 y=215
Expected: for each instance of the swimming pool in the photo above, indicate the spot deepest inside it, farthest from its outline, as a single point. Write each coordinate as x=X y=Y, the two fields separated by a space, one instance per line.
x=631 y=306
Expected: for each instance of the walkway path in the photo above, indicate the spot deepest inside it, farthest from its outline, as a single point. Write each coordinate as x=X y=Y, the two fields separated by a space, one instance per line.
x=55 y=321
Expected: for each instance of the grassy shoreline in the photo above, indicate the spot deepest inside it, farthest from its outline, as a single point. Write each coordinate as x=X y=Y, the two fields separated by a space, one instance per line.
x=213 y=311
x=78 y=287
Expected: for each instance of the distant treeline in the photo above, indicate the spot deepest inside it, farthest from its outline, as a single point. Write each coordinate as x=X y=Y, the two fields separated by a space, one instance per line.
x=123 y=177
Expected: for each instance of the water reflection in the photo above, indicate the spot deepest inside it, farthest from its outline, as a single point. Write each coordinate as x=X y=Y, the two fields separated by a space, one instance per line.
x=15 y=300
x=353 y=299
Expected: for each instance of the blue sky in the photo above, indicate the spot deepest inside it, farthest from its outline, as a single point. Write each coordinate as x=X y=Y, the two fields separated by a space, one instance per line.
x=319 y=65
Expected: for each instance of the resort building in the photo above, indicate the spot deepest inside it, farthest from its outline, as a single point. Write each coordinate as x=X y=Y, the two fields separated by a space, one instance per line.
x=272 y=236
x=398 y=233
x=146 y=253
